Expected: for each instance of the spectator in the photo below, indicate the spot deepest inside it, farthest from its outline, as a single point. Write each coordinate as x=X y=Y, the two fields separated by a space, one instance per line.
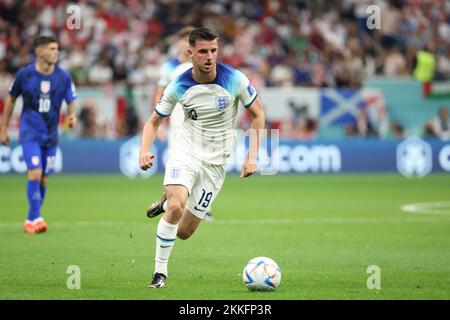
x=439 y=127
x=282 y=76
x=396 y=131
x=304 y=130
x=443 y=66
x=424 y=64
x=101 y=73
x=361 y=127
x=88 y=119
x=394 y=63
x=132 y=121
x=6 y=80
x=288 y=42
x=303 y=125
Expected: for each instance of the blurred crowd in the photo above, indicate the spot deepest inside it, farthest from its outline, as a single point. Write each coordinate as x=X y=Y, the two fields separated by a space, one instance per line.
x=279 y=42
x=274 y=42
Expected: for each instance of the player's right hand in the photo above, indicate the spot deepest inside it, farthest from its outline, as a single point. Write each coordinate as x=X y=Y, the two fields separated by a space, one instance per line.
x=146 y=160
x=4 y=137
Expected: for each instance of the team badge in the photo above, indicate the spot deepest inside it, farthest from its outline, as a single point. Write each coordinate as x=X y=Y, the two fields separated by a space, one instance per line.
x=221 y=103
x=35 y=160
x=45 y=87
x=175 y=173
x=250 y=90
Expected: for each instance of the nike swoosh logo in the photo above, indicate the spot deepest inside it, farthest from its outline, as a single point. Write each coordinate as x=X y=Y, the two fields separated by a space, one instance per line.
x=164 y=246
x=187 y=106
x=199 y=209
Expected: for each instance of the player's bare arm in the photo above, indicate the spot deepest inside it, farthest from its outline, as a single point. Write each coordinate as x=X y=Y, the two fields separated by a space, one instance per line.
x=156 y=97
x=71 y=114
x=9 y=107
x=148 y=137
x=256 y=130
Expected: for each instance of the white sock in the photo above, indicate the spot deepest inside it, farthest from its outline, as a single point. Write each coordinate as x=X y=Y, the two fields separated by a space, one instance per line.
x=165 y=239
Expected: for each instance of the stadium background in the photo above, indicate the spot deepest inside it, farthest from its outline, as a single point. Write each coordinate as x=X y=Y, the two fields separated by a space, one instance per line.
x=345 y=98
x=321 y=71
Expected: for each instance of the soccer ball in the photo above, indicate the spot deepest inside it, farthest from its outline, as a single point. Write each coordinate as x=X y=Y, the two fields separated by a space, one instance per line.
x=261 y=274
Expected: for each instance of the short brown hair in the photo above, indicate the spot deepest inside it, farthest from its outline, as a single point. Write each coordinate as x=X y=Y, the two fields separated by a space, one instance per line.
x=202 y=34
x=43 y=40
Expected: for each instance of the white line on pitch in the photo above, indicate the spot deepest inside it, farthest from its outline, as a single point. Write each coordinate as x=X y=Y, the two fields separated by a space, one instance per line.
x=441 y=208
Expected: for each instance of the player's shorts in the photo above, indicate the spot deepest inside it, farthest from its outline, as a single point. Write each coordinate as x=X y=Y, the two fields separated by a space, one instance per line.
x=37 y=157
x=202 y=180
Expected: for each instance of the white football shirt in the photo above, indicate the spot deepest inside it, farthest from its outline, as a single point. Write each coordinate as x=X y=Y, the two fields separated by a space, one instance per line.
x=209 y=129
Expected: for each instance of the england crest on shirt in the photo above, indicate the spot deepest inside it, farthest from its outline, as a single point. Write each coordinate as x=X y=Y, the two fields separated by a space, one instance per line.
x=45 y=87
x=175 y=172
x=221 y=103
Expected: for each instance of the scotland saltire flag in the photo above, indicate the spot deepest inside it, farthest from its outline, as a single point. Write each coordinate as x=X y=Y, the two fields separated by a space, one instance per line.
x=340 y=106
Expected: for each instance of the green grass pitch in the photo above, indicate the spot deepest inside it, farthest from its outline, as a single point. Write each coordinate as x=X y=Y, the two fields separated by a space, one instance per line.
x=323 y=230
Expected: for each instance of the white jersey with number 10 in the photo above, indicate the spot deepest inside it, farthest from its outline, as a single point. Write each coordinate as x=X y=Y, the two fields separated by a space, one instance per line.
x=208 y=132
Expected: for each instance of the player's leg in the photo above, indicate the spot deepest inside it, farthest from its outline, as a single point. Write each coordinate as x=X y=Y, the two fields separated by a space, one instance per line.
x=34 y=200
x=48 y=168
x=187 y=225
x=32 y=156
x=44 y=182
x=206 y=188
x=158 y=207
x=48 y=164
x=39 y=223
x=167 y=232
x=180 y=175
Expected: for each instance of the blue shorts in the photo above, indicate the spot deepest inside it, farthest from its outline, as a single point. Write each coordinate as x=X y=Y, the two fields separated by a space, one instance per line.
x=37 y=157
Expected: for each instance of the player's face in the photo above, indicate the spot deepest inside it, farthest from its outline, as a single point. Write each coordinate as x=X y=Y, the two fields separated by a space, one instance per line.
x=204 y=55
x=49 y=53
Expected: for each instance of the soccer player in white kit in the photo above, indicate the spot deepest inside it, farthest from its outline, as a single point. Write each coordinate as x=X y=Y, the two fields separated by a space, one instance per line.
x=169 y=71
x=195 y=169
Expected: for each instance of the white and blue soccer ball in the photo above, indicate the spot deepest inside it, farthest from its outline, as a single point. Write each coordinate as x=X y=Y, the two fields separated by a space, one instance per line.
x=261 y=274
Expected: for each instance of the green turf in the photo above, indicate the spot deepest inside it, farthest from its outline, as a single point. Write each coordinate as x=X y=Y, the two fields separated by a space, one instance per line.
x=324 y=231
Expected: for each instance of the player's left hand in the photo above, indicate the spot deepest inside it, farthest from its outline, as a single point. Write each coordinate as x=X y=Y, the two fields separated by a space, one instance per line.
x=248 y=169
x=72 y=121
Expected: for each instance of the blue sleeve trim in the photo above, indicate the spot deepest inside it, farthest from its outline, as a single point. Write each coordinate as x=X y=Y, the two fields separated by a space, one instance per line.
x=253 y=100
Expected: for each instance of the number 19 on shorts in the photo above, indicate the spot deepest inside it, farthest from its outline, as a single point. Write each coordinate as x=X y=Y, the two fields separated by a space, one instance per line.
x=205 y=199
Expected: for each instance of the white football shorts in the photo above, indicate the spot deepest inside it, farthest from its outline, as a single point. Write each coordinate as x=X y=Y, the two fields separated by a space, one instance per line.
x=202 y=180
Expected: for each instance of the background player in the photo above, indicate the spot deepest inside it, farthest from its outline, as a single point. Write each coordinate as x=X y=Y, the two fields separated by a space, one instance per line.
x=43 y=86
x=169 y=71
x=195 y=170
